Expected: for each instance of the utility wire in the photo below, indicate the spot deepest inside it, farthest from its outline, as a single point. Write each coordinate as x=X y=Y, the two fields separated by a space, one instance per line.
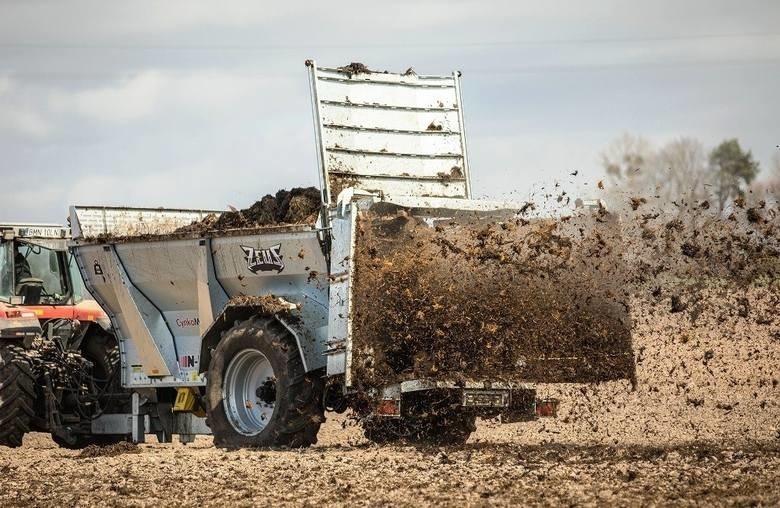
x=470 y=71
x=9 y=45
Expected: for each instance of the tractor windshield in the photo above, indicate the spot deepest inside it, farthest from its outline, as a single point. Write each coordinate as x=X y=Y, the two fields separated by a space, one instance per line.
x=35 y=265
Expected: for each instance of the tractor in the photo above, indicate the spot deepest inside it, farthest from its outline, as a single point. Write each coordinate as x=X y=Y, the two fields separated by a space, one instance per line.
x=59 y=360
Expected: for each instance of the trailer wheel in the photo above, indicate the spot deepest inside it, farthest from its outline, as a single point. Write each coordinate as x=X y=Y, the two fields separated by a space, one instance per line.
x=452 y=427
x=17 y=395
x=258 y=394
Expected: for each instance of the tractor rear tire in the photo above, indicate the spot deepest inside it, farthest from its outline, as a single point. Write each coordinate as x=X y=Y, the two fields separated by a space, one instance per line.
x=17 y=395
x=451 y=427
x=258 y=394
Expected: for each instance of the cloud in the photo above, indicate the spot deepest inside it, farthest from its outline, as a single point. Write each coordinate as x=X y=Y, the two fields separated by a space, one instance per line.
x=15 y=116
x=25 y=122
x=152 y=92
x=136 y=17
x=6 y=85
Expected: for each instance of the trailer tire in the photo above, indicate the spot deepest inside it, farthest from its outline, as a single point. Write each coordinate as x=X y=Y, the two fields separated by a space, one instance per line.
x=17 y=395
x=452 y=427
x=295 y=396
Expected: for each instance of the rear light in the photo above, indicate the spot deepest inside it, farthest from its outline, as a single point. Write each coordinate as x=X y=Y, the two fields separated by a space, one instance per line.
x=547 y=408
x=389 y=407
x=18 y=314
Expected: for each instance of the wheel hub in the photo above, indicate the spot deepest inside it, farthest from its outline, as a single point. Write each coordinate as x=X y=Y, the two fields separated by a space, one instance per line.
x=249 y=392
x=267 y=392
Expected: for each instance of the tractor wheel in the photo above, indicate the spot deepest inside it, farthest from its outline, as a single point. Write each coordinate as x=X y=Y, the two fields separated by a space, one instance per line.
x=258 y=394
x=450 y=427
x=17 y=395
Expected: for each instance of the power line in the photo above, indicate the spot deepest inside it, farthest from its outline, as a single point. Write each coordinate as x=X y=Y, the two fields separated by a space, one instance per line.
x=9 y=45
x=471 y=71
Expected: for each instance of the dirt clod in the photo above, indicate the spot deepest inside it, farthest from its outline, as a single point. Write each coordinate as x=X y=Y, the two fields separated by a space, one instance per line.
x=111 y=450
x=354 y=68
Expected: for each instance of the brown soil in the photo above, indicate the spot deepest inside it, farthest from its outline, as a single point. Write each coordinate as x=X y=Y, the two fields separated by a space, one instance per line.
x=267 y=305
x=354 y=68
x=473 y=297
x=111 y=450
x=508 y=465
x=299 y=205
x=478 y=297
x=339 y=182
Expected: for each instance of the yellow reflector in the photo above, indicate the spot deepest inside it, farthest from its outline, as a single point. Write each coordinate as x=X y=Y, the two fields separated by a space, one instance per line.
x=186 y=402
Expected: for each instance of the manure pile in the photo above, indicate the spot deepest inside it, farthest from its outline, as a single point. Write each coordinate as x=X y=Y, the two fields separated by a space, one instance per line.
x=299 y=205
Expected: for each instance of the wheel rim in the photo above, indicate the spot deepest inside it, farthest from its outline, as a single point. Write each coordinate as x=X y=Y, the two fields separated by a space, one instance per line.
x=249 y=392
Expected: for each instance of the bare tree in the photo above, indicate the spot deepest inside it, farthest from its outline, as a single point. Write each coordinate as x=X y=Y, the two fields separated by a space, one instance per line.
x=677 y=170
x=680 y=170
x=768 y=187
x=625 y=159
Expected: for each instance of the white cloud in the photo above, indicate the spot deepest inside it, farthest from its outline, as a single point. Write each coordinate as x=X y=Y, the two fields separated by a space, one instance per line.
x=131 y=99
x=15 y=116
x=6 y=85
x=151 y=92
x=107 y=19
x=25 y=121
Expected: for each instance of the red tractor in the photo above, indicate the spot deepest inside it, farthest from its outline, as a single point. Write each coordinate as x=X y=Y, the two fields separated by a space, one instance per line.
x=59 y=360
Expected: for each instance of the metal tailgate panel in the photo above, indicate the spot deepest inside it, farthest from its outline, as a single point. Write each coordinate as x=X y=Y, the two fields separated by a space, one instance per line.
x=393 y=134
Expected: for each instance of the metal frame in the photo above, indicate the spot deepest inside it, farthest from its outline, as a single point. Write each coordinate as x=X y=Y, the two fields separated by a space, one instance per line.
x=311 y=65
x=466 y=174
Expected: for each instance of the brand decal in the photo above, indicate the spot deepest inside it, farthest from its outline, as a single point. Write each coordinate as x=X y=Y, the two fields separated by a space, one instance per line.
x=187 y=322
x=263 y=260
x=187 y=361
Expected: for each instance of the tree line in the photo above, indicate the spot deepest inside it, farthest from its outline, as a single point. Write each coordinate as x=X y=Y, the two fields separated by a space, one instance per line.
x=683 y=170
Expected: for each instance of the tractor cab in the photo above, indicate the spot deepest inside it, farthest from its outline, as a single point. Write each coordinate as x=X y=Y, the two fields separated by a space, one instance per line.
x=39 y=278
x=35 y=265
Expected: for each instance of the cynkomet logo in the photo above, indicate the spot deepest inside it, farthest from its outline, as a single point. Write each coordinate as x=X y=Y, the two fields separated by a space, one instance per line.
x=263 y=260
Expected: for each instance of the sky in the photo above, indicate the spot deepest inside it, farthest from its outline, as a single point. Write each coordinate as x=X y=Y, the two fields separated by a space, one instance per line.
x=206 y=104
